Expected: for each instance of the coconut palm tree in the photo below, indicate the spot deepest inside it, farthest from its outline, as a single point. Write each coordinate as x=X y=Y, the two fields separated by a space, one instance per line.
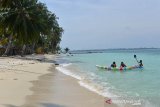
x=28 y=21
x=25 y=18
x=53 y=38
x=66 y=50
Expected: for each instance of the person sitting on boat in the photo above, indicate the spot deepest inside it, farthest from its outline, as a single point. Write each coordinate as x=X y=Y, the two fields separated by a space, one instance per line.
x=140 y=63
x=122 y=66
x=113 y=65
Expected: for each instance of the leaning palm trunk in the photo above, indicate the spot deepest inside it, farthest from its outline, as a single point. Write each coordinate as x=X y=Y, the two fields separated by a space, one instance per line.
x=8 y=46
x=32 y=48
x=23 y=50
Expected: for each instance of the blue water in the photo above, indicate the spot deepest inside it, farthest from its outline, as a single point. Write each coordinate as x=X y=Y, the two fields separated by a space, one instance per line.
x=139 y=84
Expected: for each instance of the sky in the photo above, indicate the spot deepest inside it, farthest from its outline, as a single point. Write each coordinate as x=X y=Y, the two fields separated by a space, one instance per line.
x=102 y=24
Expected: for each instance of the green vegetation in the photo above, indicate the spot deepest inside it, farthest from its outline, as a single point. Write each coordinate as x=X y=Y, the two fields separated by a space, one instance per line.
x=27 y=26
x=66 y=50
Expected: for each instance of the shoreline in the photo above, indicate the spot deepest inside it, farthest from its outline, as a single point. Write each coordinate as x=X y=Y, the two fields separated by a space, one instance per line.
x=64 y=92
x=42 y=87
x=81 y=83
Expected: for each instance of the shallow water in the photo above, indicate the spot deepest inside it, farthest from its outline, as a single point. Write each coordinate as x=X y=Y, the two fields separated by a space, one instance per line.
x=133 y=84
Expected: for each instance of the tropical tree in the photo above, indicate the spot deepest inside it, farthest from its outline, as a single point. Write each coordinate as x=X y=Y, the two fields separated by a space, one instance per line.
x=53 y=38
x=66 y=50
x=25 y=18
x=28 y=21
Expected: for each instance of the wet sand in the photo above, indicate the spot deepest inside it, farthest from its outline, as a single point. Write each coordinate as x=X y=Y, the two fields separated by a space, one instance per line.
x=58 y=90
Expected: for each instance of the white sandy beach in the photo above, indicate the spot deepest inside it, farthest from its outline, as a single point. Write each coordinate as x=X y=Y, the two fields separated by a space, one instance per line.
x=15 y=77
x=30 y=83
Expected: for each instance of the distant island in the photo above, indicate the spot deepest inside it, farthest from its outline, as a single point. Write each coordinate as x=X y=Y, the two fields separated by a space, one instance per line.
x=89 y=51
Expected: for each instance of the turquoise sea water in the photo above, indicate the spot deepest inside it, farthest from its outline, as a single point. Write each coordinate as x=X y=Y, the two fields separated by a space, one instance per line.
x=134 y=84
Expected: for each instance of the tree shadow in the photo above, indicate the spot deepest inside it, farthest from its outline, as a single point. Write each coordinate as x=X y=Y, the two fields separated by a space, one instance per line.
x=40 y=58
x=9 y=105
x=41 y=105
x=51 y=105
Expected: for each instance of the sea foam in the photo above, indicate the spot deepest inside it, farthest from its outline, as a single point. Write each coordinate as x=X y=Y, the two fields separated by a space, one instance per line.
x=62 y=69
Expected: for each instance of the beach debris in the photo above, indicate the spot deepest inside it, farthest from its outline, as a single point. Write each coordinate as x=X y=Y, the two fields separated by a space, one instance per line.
x=109 y=101
x=15 y=79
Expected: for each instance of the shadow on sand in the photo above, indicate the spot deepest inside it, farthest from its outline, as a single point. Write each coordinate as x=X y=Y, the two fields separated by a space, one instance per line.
x=41 y=105
x=51 y=105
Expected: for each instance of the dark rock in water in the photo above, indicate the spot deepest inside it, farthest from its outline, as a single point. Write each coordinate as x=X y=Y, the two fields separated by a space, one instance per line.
x=56 y=64
x=39 y=59
x=89 y=52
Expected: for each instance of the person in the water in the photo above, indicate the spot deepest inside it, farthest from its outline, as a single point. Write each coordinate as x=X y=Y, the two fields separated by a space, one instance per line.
x=140 y=63
x=122 y=66
x=113 y=65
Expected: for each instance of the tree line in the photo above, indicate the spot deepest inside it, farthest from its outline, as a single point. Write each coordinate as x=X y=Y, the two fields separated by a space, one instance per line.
x=27 y=26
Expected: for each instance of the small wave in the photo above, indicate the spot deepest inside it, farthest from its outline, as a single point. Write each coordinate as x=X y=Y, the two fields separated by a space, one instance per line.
x=66 y=64
x=67 y=72
x=90 y=88
x=96 y=90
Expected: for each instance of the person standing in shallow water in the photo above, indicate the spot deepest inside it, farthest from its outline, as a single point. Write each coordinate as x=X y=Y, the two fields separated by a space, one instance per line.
x=113 y=65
